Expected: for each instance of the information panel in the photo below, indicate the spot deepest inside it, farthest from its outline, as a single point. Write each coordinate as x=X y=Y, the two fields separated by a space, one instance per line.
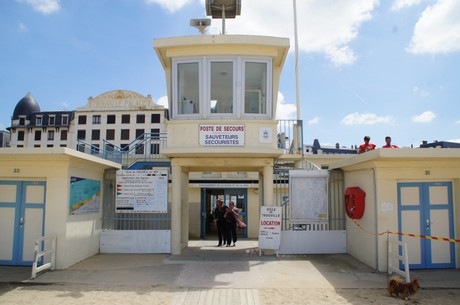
x=142 y=191
x=308 y=199
x=270 y=227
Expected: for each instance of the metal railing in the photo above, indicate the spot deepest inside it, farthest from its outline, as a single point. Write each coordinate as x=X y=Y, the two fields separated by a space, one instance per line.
x=290 y=136
x=40 y=251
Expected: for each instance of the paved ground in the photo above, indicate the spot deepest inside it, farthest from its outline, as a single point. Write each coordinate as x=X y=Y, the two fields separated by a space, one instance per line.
x=204 y=274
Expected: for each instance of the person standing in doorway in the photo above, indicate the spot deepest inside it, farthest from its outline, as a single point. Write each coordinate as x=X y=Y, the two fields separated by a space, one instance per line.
x=231 y=214
x=388 y=143
x=366 y=146
x=219 y=213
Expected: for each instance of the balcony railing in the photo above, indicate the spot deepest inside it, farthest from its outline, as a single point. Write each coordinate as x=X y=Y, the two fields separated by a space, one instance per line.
x=290 y=136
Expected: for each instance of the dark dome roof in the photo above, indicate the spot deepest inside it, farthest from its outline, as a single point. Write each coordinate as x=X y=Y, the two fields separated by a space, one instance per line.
x=26 y=106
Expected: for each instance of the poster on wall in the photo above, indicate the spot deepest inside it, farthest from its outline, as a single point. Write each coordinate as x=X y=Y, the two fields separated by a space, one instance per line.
x=142 y=191
x=270 y=227
x=85 y=195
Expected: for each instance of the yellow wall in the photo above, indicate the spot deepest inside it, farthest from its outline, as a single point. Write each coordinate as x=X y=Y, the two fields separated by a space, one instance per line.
x=392 y=167
x=77 y=235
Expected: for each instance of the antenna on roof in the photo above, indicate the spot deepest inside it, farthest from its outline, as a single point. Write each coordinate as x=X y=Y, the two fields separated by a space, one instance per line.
x=223 y=9
x=200 y=24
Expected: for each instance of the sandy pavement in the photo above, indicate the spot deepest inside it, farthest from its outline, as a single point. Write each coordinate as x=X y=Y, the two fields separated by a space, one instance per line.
x=51 y=294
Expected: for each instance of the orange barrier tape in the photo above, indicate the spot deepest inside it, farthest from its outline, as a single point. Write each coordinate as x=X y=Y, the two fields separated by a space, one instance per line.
x=452 y=240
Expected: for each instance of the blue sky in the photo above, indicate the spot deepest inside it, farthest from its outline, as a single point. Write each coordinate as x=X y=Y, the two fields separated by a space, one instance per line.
x=367 y=67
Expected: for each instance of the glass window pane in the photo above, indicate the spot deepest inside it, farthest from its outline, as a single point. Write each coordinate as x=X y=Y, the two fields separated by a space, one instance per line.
x=221 y=87
x=255 y=80
x=188 y=88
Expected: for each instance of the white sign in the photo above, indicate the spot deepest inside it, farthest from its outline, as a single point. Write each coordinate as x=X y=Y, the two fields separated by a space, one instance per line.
x=222 y=135
x=142 y=191
x=270 y=227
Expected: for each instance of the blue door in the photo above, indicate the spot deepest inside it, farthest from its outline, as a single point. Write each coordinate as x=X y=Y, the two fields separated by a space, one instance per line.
x=426 y=209
x=22 y=212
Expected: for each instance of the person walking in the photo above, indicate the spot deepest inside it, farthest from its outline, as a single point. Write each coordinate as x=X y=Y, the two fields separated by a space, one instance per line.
x=231 y=215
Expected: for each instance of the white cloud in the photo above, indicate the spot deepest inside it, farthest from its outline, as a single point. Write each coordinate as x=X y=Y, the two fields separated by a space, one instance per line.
x=365 y=119
x=22 y=27
x=163 y=101
x=285 y=111
x=437 y=30
x=400 y=4
x=425 y=117
x=170 y=5
x=454 y=140
x=326 y=27
x=457 y=123
x=314 y=121
x=420 y=91
x=43 y=6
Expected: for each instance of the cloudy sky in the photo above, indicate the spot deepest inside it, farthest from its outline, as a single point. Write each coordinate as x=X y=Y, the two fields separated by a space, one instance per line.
x=366 y=67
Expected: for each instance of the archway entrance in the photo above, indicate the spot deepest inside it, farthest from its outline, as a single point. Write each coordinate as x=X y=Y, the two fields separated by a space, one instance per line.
x=209 y=197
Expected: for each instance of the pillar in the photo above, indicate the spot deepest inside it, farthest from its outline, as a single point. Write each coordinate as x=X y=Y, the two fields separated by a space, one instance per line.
x=176 y=209
x=268 y=185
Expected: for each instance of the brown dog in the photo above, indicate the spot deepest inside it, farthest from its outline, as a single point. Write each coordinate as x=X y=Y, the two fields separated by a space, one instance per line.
x=397 y=287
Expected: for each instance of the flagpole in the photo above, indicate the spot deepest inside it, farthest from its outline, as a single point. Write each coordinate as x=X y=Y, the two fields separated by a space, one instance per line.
x=297 y=86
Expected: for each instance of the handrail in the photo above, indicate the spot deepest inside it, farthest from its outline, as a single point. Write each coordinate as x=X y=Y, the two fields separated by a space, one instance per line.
x=39 y=252
x=404 y=257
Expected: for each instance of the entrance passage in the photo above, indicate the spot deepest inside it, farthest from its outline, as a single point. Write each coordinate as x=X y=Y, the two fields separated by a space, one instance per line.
x=208 y=204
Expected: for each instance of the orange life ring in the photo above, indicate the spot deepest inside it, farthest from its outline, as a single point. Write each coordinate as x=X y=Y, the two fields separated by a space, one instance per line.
x=354 y=202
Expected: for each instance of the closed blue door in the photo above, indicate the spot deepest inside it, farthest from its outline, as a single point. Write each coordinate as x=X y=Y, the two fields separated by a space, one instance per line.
x=22 y=211
x=426 y=209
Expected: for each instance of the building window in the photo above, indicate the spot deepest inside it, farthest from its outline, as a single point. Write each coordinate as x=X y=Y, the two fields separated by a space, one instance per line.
x=125 y=119
x=63 y=145
x=65 y=120
x=140 y=118
x=52 y=120
x=111 y=119
x=36 y=145
x=22 y=121
x=155 y=118
x=110 y=134
x=188 y=87
x=95 y=134
x=255 y=87
x=124 y=147
x=49 y=145
x=139 y=149
x=95 y=149
x=63 y=135
x=81 y=119
x=227 y=87
x=139 y=133
x=155 y=149
x=222 y=84
x=155 y=133
x=81 y=134
x=38 y=121
x=21 y=135
x=50 y=135
x=124 y=134
x=96 y=119
x=38 y=135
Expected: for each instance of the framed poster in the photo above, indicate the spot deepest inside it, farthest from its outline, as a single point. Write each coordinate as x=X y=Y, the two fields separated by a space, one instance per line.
x=85 y=195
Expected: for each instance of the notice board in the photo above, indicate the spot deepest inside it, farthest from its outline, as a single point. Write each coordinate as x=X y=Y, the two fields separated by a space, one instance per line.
x=142 y=191
x=308 y=195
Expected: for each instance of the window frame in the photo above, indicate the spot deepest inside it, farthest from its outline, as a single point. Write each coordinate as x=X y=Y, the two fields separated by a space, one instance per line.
x=239 y=88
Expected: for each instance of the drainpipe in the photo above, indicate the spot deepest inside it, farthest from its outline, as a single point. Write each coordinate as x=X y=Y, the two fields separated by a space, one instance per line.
x=376 y=221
